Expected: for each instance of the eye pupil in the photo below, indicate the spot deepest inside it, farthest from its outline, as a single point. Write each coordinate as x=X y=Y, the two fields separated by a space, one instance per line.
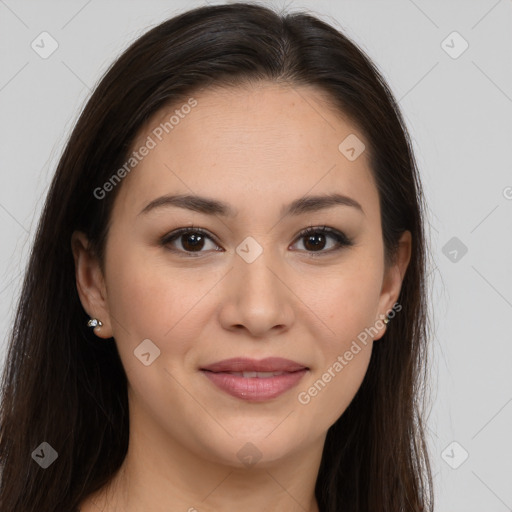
x=194 y=240
x=311 y=238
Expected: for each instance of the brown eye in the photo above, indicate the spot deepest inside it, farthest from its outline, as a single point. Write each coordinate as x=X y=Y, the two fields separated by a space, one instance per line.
x=316 y=239
x=191 y=240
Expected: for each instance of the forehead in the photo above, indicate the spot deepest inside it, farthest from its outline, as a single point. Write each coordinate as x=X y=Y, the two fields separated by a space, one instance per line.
x=268 y=141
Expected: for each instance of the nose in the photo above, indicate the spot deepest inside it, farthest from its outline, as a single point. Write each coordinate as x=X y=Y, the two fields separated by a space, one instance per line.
x=257 y=297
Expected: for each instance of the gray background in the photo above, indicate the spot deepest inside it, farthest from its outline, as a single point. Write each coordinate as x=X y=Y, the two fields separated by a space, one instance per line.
x=458 y=111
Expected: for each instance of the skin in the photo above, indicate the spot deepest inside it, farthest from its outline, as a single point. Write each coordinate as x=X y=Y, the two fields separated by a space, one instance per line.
x=185 y=433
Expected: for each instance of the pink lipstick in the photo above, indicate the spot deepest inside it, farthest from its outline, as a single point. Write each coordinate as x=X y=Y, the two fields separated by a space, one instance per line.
x=255 y=380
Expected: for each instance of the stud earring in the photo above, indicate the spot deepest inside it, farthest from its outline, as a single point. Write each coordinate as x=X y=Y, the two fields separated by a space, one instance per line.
x=94 y=322
x=386 y=320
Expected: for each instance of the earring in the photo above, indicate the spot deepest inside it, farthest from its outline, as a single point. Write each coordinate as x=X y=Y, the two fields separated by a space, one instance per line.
x=386 y=320
x=94 y=322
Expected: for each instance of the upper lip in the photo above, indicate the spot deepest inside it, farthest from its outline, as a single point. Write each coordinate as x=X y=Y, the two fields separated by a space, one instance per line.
x=244 y=364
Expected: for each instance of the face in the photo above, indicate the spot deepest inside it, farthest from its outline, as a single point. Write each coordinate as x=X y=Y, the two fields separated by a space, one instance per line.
x=242 y=281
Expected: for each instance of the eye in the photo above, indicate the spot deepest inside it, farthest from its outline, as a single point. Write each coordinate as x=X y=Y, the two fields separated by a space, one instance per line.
x=191 y=239
x=316 y=240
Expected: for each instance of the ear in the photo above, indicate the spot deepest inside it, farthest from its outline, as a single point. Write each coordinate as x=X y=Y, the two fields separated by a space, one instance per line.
x=393 y=278
x=90 y=284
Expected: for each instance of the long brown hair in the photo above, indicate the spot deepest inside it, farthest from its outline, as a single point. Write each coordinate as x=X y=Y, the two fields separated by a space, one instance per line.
x=62 y=387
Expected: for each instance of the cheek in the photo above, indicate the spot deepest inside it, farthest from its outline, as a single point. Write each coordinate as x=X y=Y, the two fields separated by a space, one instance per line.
x=341 y=367
x=349 y=301
x=147 y=301
x=136 y=297
x=349 y=305
x=342 y=379
x=351 y=313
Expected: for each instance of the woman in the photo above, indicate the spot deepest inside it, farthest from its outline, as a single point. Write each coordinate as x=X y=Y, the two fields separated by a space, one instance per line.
x=225 y=303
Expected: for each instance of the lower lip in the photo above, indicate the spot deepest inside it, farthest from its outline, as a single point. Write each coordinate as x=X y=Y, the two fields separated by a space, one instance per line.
x=255 y=389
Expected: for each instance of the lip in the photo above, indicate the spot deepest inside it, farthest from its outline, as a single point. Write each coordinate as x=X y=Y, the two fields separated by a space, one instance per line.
x=245 y=364
x=254 y=388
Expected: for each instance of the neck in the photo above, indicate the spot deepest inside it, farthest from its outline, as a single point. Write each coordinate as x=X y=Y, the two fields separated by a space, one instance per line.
x=159 y=474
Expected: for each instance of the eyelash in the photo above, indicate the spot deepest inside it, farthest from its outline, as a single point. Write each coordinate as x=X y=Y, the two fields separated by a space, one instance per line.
x=341 y=239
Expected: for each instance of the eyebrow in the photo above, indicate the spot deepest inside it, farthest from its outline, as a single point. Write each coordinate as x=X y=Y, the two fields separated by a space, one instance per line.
x=208 y=206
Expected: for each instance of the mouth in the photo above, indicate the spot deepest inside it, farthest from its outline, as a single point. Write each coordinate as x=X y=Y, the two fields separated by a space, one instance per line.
x=253 y=380
x=252 y=375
